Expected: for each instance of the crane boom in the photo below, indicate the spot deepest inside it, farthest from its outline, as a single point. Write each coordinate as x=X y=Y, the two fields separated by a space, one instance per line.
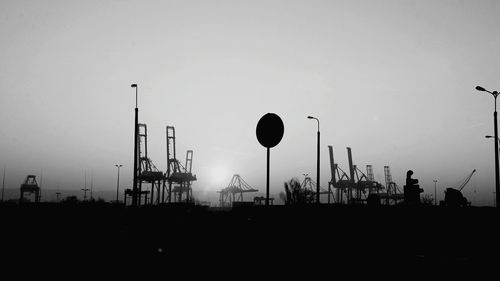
x=466 y=180
x=332 y=164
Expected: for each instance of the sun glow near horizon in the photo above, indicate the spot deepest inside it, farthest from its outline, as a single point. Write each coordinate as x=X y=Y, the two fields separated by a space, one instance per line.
x=219 y=175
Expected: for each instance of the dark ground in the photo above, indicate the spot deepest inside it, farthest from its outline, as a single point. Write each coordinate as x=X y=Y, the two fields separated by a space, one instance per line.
x=279 y=240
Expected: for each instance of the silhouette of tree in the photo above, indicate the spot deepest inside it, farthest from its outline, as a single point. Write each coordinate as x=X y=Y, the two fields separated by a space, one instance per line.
x=427 y=200
x=295 y=194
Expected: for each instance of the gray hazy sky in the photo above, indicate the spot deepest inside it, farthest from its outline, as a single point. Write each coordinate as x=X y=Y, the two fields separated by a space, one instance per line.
x=394 y=80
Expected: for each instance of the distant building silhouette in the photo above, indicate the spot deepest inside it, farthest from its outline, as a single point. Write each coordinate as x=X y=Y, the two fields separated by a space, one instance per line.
x=30 y=186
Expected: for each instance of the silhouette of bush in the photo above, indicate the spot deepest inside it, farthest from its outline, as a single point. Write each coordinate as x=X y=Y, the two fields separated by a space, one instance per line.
x=427 y=200
x=99 y=201
x=70 y=200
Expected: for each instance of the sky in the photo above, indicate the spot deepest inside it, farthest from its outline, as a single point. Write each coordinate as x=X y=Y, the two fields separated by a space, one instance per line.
x=393 y=80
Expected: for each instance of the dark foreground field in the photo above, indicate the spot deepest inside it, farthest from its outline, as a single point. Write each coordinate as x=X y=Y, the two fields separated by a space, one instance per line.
x=281 y=240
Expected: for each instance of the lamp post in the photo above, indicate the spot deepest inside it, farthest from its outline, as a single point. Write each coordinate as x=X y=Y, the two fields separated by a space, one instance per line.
x=118 y=181
x=317 y=163
x=488 y=137
x=497 y=175
x=136 y=135
x=85 y=193
x=435 y=193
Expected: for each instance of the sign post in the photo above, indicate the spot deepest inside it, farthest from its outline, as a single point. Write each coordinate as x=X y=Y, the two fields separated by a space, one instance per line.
x=269 y=132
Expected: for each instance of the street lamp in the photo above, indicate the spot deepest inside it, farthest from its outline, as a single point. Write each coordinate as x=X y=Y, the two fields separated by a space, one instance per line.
x=135 y=86
x=435 y=193
x=497 y=174
x=489 y=137
x=317 y=163
x=85 y=193
x=136 y=136
x=118 y=181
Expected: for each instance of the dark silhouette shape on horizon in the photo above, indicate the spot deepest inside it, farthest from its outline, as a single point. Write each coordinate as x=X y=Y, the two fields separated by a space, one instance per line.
x=269 y=132
x=118 y=181
x=70 y=200
x=30 y=186
x=176 y=173
x=317 y=160
x=412 y=190
x=373 y=200
x=237 y=186
x=257 y=200
x=147 y=172
x=135 y=192
x=495 y=123
x=453 y=196
x=295 y=194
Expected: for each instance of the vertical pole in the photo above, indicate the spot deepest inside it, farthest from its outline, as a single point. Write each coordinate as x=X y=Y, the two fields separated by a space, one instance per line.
x=329 y=191
x=170 y=192
x=435 y=193
x=136 y=133
x=3 y=183
x=117 y=184
x=351 y=174
x=267 y=178
x=91 y=184
x=163 y=192
x=497 y=177
x=332 y=170
x=168 y=168
x=39 y=196
x=317 y=170
x=152 y=192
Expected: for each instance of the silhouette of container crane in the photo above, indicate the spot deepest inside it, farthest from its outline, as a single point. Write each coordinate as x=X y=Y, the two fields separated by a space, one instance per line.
x=393 y=193
x=176 y=173
x=146 y=172
x=355 y=187
x=234 y=191
x=309 y=187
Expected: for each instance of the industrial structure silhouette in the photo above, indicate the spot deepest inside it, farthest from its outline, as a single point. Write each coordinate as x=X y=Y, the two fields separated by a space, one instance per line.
x=161 y=202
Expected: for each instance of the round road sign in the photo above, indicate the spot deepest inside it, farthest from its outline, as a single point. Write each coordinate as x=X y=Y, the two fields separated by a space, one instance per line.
x=270 y=130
